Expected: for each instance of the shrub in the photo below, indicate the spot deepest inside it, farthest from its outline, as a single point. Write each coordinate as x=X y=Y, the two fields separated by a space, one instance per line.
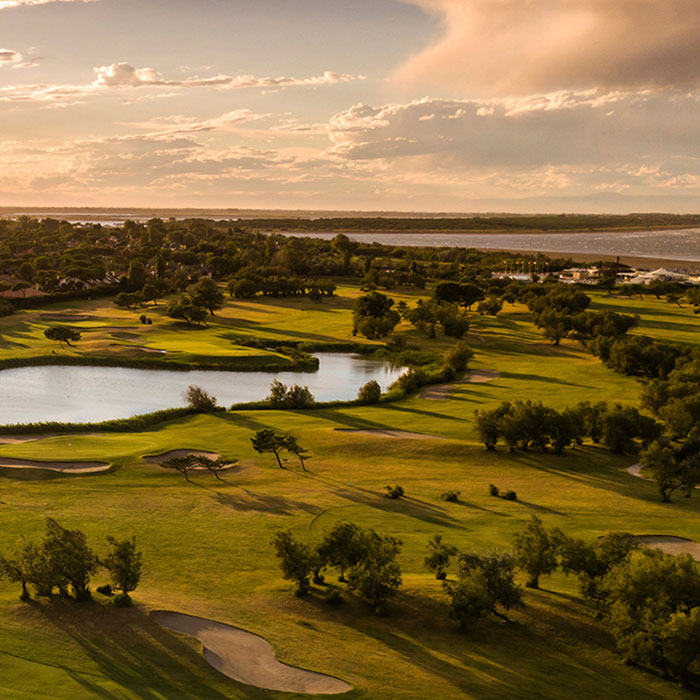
x=105 y=590
x=450 y=496
x=369 y=393
x=395 y=492
x=510 y=496
x=199 y=399
x=494 y=490
x=123 y=600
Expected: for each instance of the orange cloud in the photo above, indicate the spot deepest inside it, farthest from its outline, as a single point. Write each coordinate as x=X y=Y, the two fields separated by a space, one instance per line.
x=491 y=47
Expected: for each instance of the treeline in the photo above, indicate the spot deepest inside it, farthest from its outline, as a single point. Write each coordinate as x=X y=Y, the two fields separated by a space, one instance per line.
x=63 y=563
x=545 y=222
x=532 y=425
x=649 y=600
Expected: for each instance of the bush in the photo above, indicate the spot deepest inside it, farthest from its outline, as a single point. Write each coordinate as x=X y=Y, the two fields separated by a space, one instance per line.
x=494 y=490
x=450 y=496
x=369 y=393
x=510 y=496
x=105 y=590
x=395 y=492
x=199 y=399
x=295 y=396
x=334 y=597
x=123 y=600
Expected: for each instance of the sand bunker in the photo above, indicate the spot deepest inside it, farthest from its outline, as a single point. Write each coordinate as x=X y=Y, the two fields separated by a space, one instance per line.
x=159 y=459
x=390 y=433
x=69 y=467
x=248 y=658
x=671 y=544
x=442 y=391
x=19 y=439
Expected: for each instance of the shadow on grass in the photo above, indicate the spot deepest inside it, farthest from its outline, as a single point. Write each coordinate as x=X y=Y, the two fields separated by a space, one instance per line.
x=277 y=505
x=494 y=660
x=410 y=507
x=538 y=378
x=131 y=651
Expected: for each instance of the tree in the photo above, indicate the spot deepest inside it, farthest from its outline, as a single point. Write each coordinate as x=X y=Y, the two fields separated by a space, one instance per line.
x=126 y=300
x=26 y=271
x=297 y=560
x=150 y=292
x=124 y=565
x=469 y=598
x=377 y=575
x=293 y=447
x=206 y=293
x=373 y=316
x=491 y=306
x=295 y=396
x=341 y=547
x=199 y=399
x=535 y=551
x=438 y=558
x=18 y=564
x=184 y=464
x=70 y=556
x=188 y=311
x=457 y=358
x=654 y=612
x=137 y=275
x=671 y=470
x=214 y=466
x=370 y=392
x=498 y=572
x=269 y=440
x=62 y=334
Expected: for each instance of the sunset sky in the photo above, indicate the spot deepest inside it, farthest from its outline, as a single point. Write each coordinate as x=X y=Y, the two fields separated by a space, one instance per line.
x=430 y=105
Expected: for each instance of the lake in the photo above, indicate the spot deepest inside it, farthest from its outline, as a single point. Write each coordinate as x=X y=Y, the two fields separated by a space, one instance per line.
x=682 y=245
x=90 y=394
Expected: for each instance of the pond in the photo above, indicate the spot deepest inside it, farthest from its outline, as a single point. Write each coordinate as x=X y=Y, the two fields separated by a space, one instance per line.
x=90 y=394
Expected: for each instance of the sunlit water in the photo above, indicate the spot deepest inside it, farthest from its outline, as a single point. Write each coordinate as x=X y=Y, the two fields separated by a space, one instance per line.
x=80 y=394
x=671 y=245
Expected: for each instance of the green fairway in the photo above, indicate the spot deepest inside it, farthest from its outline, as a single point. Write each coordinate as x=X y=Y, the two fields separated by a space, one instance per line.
x=206 y=544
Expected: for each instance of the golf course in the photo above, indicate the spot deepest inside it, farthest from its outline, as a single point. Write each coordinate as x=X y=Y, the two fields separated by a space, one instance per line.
x=206 y=541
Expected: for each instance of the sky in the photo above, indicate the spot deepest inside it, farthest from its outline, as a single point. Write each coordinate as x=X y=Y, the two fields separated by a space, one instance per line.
x=407 y=105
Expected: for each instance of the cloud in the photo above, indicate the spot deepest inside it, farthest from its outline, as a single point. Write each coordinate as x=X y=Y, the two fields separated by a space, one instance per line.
x=585 y=127
x=7 y=4
x=9 y=57
x=498 y=47
x=123 y=76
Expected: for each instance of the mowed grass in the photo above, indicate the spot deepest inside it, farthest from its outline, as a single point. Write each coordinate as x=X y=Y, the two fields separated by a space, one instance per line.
x=657 y=317
x=206 y=544
x=108 y=331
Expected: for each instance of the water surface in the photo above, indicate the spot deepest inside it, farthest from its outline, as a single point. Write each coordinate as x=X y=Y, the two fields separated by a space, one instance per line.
x=89 y=394
x=683 y=244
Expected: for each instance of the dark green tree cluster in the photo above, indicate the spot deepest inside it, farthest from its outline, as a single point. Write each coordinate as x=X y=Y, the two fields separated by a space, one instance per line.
x=373 y=316
x=524 y=425
x=63 y=564
x=282 y=396
x=673 y=467
x=364 y=559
